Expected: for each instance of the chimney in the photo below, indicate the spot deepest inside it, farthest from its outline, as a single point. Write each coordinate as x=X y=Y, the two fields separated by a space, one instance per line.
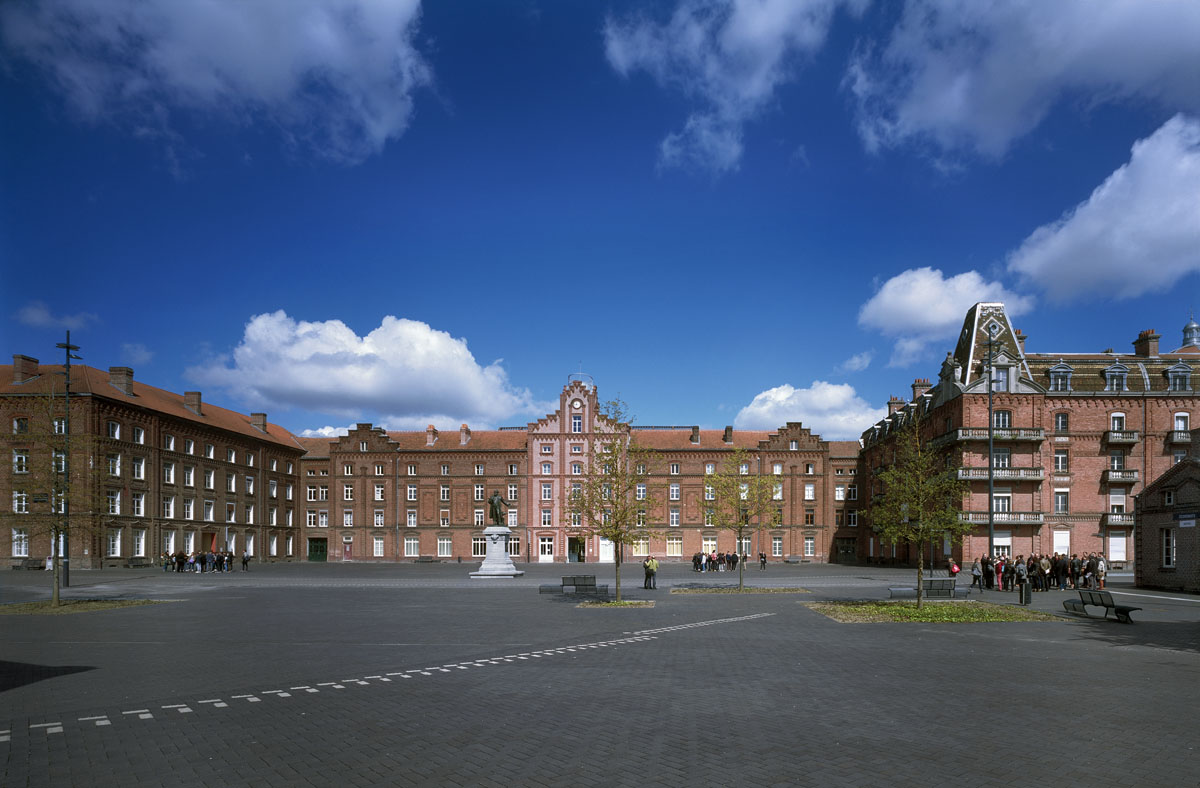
x=1146 y=345
x=259 y=421
x=919 y=387
x=728 y=436
x=191 y=401
x=464 y=435
x=1021 y=340
x=894 y=404
x=430 y=435
x=121 y=378
x=24 y=368
x=695 y=434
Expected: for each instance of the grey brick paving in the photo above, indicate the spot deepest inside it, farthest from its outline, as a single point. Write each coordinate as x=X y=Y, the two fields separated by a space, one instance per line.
x=445 y=682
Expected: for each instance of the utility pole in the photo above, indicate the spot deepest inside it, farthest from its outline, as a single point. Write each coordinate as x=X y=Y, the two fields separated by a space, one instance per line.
x=65 y=576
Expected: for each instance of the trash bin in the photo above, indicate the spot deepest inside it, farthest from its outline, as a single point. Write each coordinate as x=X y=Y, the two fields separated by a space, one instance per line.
x=1026 y=590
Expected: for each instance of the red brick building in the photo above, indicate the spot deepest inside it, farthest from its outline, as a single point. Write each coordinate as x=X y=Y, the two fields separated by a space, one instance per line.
x=1075 y=437
x=1168 y=547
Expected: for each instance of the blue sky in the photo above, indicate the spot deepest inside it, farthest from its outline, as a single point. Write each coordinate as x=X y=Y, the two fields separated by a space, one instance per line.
x=726 y=212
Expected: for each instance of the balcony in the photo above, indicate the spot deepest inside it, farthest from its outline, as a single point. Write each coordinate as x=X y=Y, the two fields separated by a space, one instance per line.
x=1002 y=474
x=1117 y=518
x=1117 y=477
x=999 y=434
x=1003 y=518
x=1179 y=436
x=1121 y=436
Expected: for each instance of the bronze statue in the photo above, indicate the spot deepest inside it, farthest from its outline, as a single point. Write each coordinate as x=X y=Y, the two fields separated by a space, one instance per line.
x=496 y=507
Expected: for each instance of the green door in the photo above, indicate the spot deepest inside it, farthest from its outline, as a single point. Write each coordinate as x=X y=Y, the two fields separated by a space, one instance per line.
x=316 y=549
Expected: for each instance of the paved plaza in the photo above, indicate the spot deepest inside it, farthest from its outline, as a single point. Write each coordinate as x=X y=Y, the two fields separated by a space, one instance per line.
x=333 y=674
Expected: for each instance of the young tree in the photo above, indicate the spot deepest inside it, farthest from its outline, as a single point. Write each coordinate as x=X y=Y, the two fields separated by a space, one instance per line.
x=921 y=497
x=740 y=498
x=611 y=498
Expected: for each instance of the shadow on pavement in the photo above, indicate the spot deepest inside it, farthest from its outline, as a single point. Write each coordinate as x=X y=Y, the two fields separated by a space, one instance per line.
x=1175 y=636
x=18 y=674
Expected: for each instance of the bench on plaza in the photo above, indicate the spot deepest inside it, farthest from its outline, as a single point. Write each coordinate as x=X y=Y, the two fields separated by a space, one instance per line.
x=139 y=562
x=934 y=588
x=1098 y=599
x=425 y=559
x=29 y=563
x=584 y=585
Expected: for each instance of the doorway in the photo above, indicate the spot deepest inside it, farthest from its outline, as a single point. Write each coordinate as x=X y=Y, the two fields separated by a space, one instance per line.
x=317 y=549
x=575 y=550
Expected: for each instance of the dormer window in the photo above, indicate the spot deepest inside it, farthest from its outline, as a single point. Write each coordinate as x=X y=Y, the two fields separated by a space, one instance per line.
x=1179 y=377
x=1060 y=377
x=1115 y=378
x=999 y=378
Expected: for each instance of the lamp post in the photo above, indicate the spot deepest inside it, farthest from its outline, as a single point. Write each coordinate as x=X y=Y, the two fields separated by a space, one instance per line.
x=65 y=558
x=991 y=343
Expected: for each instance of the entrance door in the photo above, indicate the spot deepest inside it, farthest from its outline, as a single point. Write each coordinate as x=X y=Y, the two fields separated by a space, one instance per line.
x=1062 y=542
x=847 y=547
x=346 y=546
x=574 y=550
x=607 y=554
x=1116 y=546
x=545 y=549
x=316 y=549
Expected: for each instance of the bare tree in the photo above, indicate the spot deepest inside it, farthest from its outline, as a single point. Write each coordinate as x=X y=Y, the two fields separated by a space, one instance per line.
x=740 y=498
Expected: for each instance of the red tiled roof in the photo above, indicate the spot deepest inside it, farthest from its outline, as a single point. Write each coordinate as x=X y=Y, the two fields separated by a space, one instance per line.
x=449 y=440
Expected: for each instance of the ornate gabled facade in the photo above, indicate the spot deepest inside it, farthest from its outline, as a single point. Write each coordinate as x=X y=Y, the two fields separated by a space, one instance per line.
x=1075 y=436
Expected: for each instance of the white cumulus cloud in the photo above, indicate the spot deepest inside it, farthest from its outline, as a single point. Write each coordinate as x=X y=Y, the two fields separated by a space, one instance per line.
x=971 y=75
x=857 y=363
x=728 y=55
x=335 y=76
x=37 y=315
x=403 y=374
x=920 y=306
x=1138 y=232
x=136 y=353
x=832 y=410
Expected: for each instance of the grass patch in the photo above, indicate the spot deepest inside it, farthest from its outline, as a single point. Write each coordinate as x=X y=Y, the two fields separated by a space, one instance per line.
x=622 y=603
x=68 y=606
x=870 y=612
x=733 y=590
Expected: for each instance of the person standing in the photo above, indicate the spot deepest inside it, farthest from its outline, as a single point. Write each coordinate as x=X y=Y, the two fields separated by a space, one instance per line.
x=977 y=575
x=653 y=568
x=245 y=560
x=762 y=562
x=1101 y=570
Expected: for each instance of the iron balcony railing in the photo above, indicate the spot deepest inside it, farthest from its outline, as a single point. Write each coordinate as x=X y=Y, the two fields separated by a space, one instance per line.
x=1003 y=474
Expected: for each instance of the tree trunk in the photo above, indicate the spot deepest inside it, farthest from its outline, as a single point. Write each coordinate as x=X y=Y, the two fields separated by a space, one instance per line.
x=741 y=565
x=54 y=563
x=618 y=582
x=920 y=578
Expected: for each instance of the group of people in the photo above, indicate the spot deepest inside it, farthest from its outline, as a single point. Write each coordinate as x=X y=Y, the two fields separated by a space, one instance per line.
x=211 y=561
x=1043 y=572
x=716 y=562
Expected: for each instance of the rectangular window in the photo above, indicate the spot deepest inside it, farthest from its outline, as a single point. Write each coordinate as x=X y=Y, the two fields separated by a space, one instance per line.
x=1001 y=458
x=114 y=429
x=209 y=512
x=1116 y=501
x=113 y=543
x=444 y=492
x=810 y=516
x=1062 y=502
x=545 y=546
x=347 y=492
x=210 y=479
x=209 y=451
x=673 y=492
x=1168 y=498
x=777 y=493
x=673 y=516
x=852 y=518
x=793 y=445
x=777 y=546
x=230 y=512
x=710 y=467
x=188 y=508
x=1002 y=502
x=411 y=493
x=512 y=519
x=1002 y=419
x=378 y=469
x=478 y=469
x=378 y=518
x=169 y=442
x=479 y=517
x=810 y=492
x=323 y=518
x=547 y=518
x=348 y=518
x=168 y=473
x=412 y=470
x=674 y=546
x=21 y=502
x=410 y=518
x=412 y=546
x=709 y=493
x=21 y=461
x=139 y=542
x=478 y=547
x=347 y=469
x=1179 y=455
x=708 y=544
x=479 y=492
x=445 y=470
x=310 y=518
x=1117 y=422
x=444 y=518
x=379 y=492
x=641 y=547
x=168 y=506
x=809 y=469
x=312 y=492
x=114 y=465
x=139 y=504
x=250 y=459
x=810 y=546
x=512 y=492
x=576 y=422
x=230 y=483
x=1061 y=460
x=512 y=469
x=547 y=491
x=58 y=461
x=640 y=492
x=1168 y=548
x=674 y=468
x=839 y=492
x=1116 y=460
x=445 y=547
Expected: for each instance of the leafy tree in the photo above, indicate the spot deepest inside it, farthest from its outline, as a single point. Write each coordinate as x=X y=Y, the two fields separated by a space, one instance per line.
x=612 y=497
x=921 y=497
x=740 y=498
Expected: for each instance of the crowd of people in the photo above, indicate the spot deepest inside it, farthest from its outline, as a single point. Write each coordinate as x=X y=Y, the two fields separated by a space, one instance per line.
x=1043 y=572
x=203 y=562
x=716 y=562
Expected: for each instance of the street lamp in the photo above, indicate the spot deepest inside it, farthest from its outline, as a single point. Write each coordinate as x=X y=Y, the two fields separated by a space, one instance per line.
x=991 y=343
x=65 y=558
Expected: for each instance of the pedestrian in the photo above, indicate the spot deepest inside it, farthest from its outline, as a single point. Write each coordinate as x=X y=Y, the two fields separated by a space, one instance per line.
x=989 y=572
x=245 y=560
x=952 y=567
x=646 y=569
x=977 y=575
x=762 y=562
x=653 y=573
x=1101 y=570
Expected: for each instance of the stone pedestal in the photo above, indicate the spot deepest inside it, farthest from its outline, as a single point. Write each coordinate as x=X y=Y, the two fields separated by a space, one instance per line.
x=497 y=564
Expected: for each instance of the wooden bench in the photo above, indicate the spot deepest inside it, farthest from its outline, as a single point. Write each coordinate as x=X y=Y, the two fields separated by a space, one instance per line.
x=934 y=588
x=139 y=562
x=1098 y=599
x=582 y=584
x=425 y=559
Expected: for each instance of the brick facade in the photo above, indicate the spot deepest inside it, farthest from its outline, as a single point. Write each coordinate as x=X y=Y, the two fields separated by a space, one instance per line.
x=1168 y=547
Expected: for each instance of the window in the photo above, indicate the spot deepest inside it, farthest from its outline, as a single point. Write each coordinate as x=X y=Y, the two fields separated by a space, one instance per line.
x=412 y=470
x=839 y=472
x=444 y=518
x=114 y=429
x=21 y=502
x=478 y=547
x=209 y=451
x=708 y=517
x=743 y=491
x=114 y=465
x=547 y=518
x=113 y=543
x=1168 y=548
x=139 y=468
x=808 y=469
x=60 y=426
x=810 y=492
x=188 y=505
x=1062 y=502
x=58 y=461
x=1002 y=419
x=1179 y=455
x=852 y=518
x=378 y=518
x=209 y=512
x=512 y=469
x=1168 y=498
x=347 y=469
x=839 y=492
x=576 y=422
x=1001 y=458
x=744 y=468
x=810 y=546
x=230 y=512
x=1181 y=422
x=348 y=518
x=674 y=468
x=444 y=492
x=310 y=518
x=410 y=519
x=547 y=491
x=1116 y=501
x=794 y=445
x=210 y=479
x=640 y=520
x=576 y=468
x=777 y=546
x=777 y=469
x=189 y=476
x=168 y=473
x=1116 y=460
x=445 y=470
x=576 y=448
x=1115 y=378
x=1060 y=379
x=274 y=465
x=674 y=546
x=479 y=469
x=20 y=460
x=445 y=547
x=1002 y=502
x=673 y=492
x=479 y=517
x=852 y=492
x=512 y=492
x=272 y=488
x=673 y=517
x=640 y=492
x=1117 y=422
x=641 y=546
x=362 y=445
x=777 y=493
x=513 y=521
x=547 y=448
x=999 y=378
x=411 y=493
x=312 y=492
x=1061 y=460
x=547 y=469
x=379 y=492
x=479 y=496
x=250 y=459
x=412 y=546
x=709 y=493
x=288 y=469
x=230 y=455
x=288 y=518
x=810 y=516
x=230 y=483
x=710 y=467
x=139 y=542
x=169 y=442
x=168 y=506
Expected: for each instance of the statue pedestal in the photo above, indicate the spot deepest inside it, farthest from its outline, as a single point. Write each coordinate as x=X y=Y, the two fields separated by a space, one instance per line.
x=497 y=564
